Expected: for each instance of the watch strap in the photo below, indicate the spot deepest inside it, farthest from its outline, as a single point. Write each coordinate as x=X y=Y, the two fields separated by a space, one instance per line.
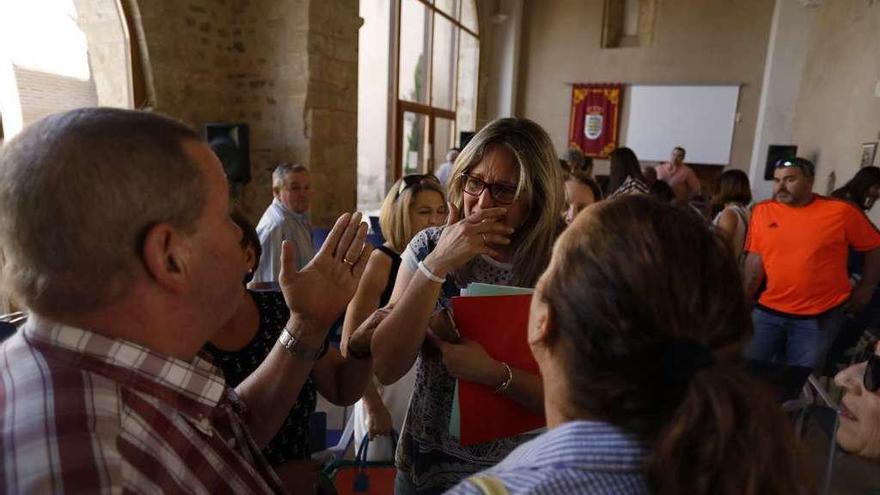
x=296 y=348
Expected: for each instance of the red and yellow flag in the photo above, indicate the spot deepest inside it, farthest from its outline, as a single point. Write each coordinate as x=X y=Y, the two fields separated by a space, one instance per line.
x=595 y=122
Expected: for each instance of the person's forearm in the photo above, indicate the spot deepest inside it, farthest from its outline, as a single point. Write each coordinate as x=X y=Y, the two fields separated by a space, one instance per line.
x=871 y=270
x=350 y=378
x=372 y=399
x=272 y=389
x=754 y=274
x=397 y=339
x=527 y=389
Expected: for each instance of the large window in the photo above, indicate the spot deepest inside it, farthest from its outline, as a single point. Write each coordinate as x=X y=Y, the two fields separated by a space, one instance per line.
x=417 y=87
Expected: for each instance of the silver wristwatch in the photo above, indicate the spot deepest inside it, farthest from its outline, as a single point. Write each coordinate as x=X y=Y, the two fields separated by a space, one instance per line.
x=296 y=348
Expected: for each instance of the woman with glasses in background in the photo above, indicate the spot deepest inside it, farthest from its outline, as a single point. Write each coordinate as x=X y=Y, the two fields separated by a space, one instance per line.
x=859 y=430
x=414 y=203
x=505 y=198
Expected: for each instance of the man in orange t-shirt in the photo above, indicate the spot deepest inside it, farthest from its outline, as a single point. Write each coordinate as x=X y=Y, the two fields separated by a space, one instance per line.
x=800 y=241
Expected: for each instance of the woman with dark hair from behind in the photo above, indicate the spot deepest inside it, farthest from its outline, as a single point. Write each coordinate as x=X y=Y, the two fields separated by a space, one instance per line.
x=863 y=189
x=626 y=174
x=245 y=341
x=730 y=208
x=645 y=389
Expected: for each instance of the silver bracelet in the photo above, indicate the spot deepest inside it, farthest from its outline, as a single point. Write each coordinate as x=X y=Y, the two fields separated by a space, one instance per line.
x=506 y=383
x=429 y=274
x=296 y=348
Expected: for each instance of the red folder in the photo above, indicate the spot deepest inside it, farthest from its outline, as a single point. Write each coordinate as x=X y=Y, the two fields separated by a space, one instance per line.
x=500 y=325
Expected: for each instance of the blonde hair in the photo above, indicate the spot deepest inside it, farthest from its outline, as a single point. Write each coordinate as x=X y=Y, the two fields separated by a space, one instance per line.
x=394 y=218
x=540 y=182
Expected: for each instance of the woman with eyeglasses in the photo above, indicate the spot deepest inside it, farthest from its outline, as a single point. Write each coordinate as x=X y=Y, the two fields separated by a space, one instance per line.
x=505 y=199
x=414 y=203
x=859 y=429
x=645 y=389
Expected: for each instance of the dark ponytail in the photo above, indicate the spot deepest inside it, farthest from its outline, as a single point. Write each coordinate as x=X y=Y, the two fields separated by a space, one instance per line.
x=650 y=321
x=727 y=437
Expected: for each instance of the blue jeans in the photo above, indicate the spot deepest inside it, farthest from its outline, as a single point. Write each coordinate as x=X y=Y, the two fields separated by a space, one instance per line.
x=796 y=341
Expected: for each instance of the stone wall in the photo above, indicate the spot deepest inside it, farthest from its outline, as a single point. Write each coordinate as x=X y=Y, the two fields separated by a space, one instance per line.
x=288 y=68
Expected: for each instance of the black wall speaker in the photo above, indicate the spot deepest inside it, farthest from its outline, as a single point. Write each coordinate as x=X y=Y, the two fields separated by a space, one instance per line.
x=776 y=152
x=464 y=137
x=231 y=144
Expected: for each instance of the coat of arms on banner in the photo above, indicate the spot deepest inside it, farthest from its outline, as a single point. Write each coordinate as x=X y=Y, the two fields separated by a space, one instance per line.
x=593 y=123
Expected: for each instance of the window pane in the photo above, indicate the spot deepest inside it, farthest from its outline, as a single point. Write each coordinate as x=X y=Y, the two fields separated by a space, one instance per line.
x=414 y=143
x=469 y=15
x=444 y=58
x=449 y=7
x=414 y=28
x=444 y=138
x=373 y=82
x=468 y=63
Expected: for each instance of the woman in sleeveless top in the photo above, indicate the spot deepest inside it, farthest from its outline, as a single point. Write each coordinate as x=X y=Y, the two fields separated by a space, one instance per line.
x=506 y=195
x=730 y=211
x=414 y=203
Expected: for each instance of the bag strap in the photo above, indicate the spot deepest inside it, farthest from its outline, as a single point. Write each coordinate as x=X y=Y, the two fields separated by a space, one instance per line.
x=489 y=485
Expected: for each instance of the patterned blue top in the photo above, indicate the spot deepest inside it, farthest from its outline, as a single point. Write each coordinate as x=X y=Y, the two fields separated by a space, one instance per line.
x=584 y=457
x=427 y=453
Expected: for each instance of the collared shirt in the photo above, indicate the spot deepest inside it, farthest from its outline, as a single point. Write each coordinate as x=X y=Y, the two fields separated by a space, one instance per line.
x=81 y=412
x=681 y=179
x=584 y=457
x=276 y=225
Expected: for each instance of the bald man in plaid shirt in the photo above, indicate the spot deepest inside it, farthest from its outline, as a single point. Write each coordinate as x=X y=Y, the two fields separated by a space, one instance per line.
x=116 y=231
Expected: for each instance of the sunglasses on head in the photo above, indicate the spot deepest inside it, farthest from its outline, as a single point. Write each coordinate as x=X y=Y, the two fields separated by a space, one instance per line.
x=413 y=179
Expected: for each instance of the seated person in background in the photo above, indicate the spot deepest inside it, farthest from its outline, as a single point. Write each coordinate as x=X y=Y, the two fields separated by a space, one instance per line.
x=580 y=191
x=576 y=161
x=859 y=430
x=626 y=174
x=730 y=210
x=680 y=177
x=116 y=231
x=414 y=203
x=645 y=387
x=650 y=174
x=249 y=336
x=661 y=191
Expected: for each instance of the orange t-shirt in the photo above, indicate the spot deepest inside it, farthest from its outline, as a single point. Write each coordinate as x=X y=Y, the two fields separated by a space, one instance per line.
x=804 y=251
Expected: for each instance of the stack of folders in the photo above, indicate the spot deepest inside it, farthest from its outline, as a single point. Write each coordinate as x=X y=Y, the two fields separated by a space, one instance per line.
x=496 y=317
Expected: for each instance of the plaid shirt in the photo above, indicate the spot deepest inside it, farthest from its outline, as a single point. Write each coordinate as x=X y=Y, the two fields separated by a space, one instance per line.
x=584 y=457
x=80 y=412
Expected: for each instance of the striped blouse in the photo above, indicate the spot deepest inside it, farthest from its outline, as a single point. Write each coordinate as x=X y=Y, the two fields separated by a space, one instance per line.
x=80 y=412
x=583 y=457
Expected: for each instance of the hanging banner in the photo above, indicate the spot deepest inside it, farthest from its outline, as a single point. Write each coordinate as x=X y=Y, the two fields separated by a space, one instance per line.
x=595 y=122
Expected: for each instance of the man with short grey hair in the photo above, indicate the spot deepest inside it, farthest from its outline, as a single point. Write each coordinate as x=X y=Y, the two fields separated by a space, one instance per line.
x=115 y=229
x=287 y=218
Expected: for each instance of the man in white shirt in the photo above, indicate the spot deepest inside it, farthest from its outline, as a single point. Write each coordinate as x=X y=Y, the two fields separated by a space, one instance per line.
x=445 y=169
x=287 y=218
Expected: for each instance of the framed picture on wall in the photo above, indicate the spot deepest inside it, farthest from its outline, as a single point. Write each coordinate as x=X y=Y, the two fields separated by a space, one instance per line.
x=868 y=152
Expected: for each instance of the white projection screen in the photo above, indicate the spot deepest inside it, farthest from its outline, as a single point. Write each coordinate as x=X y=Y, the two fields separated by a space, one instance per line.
x=698 y=118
